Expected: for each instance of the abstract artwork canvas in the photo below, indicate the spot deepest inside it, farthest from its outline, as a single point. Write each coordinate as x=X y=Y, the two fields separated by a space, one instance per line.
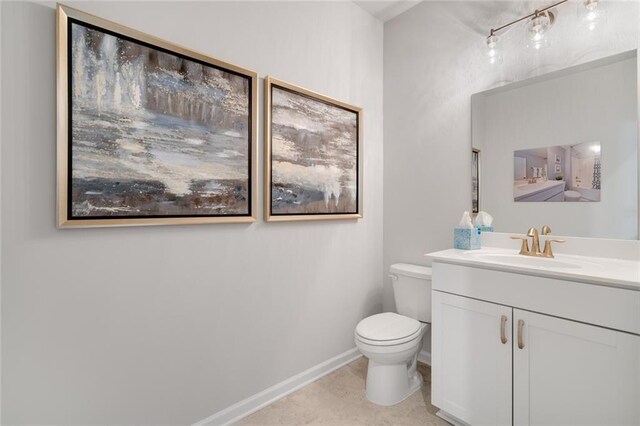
x=149 y=132
x=313 y=155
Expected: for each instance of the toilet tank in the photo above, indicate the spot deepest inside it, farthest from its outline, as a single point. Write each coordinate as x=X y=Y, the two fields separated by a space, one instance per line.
x=412 y=290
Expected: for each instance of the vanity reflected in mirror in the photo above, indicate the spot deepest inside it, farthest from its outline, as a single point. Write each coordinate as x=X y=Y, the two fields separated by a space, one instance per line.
x=562 y=149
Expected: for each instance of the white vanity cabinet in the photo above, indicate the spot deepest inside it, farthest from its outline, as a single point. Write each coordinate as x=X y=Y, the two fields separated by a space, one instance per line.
x=504 y=353
x=471 y=359
x=569 y=373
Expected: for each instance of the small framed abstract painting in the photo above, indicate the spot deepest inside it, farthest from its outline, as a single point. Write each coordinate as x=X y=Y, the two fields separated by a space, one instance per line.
x=313 y=155
x=150 y=133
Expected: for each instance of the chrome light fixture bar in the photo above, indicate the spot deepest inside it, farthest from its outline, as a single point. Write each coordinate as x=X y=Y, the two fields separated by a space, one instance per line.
x=536 y=14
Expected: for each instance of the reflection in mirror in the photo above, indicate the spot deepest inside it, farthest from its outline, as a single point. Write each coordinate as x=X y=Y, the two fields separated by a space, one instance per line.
x=544 y=142
x=557 y=173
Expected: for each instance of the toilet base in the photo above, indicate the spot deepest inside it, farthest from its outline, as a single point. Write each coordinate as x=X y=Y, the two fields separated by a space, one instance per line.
x=390 y=384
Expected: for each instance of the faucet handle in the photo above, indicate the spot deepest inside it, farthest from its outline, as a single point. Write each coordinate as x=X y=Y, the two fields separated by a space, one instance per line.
x=546 y=230
x=547 y=252
x=524 y=248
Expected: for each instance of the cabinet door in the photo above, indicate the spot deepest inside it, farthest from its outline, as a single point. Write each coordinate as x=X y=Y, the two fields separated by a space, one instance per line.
x=558 y=197
x=471 y=360
x=569 y=373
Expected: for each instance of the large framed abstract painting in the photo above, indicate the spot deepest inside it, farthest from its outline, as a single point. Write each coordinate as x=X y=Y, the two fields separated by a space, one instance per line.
x=150 y=133
x=313 y=155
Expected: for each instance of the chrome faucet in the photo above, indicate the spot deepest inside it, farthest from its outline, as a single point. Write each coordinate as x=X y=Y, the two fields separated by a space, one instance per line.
x=535 y=243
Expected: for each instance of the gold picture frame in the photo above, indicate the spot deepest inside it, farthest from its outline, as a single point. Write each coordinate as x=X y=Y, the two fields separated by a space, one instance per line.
x=270 y=215
x=67 y=15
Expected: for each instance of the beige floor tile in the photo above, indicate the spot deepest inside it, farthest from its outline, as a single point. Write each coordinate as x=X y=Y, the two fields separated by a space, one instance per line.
x=338 y=399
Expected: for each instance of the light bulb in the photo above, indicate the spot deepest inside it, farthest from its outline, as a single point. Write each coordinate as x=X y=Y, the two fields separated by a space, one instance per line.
x=539 y=25
x=591 y=5
x=537 y=30
x=493 y=53
x=591 y=13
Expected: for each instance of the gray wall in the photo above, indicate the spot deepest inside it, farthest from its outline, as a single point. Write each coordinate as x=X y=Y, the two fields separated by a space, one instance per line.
x=168 y=325
x=532 y=161
x=435 y=59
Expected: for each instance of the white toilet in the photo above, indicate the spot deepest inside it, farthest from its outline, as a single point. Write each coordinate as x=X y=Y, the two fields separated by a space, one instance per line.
x=572 y=196
x=392 y=341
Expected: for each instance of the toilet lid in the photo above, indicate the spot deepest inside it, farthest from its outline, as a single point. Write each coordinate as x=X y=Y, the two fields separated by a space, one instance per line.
x=387 y=326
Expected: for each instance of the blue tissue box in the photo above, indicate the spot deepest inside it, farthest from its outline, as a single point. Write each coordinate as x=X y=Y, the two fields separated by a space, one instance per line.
x=486 y=228
x=466 y=238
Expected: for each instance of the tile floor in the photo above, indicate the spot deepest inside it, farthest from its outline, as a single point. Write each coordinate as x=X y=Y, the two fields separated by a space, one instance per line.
x=338 y=399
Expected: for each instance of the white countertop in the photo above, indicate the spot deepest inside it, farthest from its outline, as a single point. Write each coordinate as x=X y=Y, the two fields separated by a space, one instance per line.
x=522 y=188
x=593 y=270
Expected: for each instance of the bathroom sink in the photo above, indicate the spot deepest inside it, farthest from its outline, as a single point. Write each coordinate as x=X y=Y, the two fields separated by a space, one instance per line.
x=519 y=260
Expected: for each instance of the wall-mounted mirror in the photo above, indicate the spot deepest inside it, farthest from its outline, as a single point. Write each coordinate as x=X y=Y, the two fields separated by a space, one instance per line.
x=561 y=149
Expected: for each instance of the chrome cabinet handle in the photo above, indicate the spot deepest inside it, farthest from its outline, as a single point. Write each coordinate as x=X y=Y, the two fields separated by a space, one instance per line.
x=503 y=331
x=520 y=327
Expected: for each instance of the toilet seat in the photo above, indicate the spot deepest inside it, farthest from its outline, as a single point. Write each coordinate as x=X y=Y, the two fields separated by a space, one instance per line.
x=388 y=329
x=572 y=195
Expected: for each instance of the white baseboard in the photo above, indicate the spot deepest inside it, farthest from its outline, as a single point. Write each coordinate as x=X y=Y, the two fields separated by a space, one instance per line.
x=424 y=356
x=252 y=404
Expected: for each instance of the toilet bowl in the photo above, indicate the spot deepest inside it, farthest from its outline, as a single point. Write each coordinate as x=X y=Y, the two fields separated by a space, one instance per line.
x=391 y=341
x=572 y=196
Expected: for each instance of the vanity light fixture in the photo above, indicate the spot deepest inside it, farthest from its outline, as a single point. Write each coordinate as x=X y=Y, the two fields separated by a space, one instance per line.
x=538 y=25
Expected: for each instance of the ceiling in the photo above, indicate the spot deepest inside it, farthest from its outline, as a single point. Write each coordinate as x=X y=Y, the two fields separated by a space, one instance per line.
x=478 y=15
x=535 y=152
x=384 y=10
